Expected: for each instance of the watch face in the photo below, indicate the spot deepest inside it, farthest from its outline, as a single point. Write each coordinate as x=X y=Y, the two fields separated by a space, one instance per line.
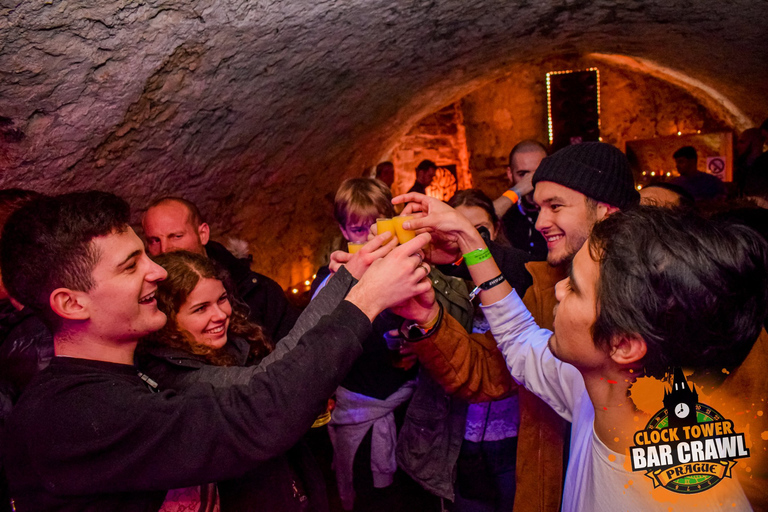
x=681 y=410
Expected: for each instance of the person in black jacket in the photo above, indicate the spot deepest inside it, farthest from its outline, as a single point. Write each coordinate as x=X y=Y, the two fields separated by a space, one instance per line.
x=91 y=432
x=26 y=345
x=173 y=223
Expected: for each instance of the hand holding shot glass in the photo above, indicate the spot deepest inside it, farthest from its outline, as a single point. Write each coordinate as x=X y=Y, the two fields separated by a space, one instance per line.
x=360 y=258
x=454 y=237
x=395 y=226
x=392 y=279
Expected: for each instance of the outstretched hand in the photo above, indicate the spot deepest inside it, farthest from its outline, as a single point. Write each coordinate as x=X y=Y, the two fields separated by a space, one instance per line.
x=377 y=247
x=452 y=233
x=393 y=279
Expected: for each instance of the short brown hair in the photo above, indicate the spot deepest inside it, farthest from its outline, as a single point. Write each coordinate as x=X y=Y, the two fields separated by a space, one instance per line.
x=360 y=199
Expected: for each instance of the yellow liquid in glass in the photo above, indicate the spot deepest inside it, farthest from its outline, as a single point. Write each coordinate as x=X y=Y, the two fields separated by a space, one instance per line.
x=403 y=235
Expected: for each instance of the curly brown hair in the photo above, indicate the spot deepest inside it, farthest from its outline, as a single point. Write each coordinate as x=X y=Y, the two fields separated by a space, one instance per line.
x=185 y=270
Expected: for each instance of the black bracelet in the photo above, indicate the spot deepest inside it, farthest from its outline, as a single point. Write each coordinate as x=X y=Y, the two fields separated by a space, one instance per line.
x=412 y=332
x=486 y=286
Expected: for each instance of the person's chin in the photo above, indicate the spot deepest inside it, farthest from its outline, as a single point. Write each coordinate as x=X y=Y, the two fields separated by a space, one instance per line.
x=560 y=256
x=158 y=320
x=217 y=343
x=552 y=345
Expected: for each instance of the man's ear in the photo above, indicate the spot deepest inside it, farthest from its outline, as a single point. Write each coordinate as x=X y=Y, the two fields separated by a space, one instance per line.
x=628 y=349
x=70 y=304
x=204 y=231
x=604 y=210
x=510 y=176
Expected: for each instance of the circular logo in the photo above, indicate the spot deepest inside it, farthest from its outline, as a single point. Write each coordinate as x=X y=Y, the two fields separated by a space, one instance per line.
x=690 y=483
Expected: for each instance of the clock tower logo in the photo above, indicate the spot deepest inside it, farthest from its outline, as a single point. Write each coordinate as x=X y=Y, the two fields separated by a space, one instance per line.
x=681 y=401
x=686 y=447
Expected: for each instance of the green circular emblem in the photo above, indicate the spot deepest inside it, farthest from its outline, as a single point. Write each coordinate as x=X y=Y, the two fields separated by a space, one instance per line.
x=692 y=483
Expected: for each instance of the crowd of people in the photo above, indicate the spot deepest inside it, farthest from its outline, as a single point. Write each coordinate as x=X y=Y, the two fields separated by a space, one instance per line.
x=485 y=362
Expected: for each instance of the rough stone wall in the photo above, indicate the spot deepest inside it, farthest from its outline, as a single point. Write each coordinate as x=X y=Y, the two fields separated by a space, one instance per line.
x=257 y=109
x=439 y=137
x=633 y=106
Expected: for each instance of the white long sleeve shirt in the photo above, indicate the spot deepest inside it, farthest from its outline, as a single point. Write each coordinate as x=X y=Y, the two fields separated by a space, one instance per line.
x=596 y=479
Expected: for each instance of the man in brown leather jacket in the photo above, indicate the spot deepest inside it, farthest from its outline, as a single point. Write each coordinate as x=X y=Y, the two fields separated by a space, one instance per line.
x=575 y=187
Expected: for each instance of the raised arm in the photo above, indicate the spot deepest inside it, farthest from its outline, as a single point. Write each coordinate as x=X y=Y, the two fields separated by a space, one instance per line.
x=522 y=343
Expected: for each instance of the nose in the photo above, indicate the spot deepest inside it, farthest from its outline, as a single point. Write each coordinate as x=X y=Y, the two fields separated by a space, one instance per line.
x=219 y=315
x=155 y=272
x=542 y=221
x=560 y=290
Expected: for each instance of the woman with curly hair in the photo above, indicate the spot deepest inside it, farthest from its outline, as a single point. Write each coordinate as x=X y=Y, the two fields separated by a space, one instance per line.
x=206 y=329
x=203 y=318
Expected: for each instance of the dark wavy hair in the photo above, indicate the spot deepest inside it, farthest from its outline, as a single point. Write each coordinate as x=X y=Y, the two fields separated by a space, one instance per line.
x=46 y=244
x=185 y=270
x=695 y=290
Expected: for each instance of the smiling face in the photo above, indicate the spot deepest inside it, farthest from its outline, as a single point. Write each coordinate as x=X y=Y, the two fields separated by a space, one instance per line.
x=575 y=314
x=168 y=226
x=122 y=304
x=205 y=314
x=565 y=220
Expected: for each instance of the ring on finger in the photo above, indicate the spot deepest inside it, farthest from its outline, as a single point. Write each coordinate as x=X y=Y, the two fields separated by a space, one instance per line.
x=425 y=267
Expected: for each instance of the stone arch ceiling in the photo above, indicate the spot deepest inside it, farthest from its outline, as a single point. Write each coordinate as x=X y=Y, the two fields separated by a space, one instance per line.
x=256 y=110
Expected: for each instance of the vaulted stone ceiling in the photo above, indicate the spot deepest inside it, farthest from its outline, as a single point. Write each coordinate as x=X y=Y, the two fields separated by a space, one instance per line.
x=256 y=110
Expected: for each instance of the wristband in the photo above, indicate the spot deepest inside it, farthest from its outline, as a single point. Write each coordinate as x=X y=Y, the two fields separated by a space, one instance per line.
x=412 y=331
x=429 y=325
x=486 y=286
x=477 y=256
x=511 y=195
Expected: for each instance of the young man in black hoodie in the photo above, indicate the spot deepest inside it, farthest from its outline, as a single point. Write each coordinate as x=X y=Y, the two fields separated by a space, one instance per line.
x=91 y=433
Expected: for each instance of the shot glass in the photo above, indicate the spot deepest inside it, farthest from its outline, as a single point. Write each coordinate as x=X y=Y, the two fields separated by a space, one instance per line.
x=403 y=235
x=353 y=247
x=385 y=224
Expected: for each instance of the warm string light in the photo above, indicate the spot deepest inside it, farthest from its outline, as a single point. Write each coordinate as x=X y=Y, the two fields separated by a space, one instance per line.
x=307 y=284
x=549 y=98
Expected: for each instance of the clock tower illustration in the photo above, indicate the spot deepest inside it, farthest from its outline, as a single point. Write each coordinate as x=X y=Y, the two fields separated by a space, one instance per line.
x=681 y=401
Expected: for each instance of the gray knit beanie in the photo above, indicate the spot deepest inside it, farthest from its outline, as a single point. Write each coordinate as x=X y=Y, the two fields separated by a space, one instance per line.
x=596 y=169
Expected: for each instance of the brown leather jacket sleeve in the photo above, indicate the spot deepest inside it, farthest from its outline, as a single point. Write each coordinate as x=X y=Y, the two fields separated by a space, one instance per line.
x=468 y=366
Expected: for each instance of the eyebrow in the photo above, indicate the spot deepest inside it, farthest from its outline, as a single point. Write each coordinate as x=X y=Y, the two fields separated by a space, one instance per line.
x=574 y=285
x=554 y=199
x=134 y=254
x=195 y=306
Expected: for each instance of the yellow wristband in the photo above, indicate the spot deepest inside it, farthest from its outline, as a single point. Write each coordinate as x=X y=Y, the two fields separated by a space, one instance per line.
x=431 y=323
x=512 y=196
